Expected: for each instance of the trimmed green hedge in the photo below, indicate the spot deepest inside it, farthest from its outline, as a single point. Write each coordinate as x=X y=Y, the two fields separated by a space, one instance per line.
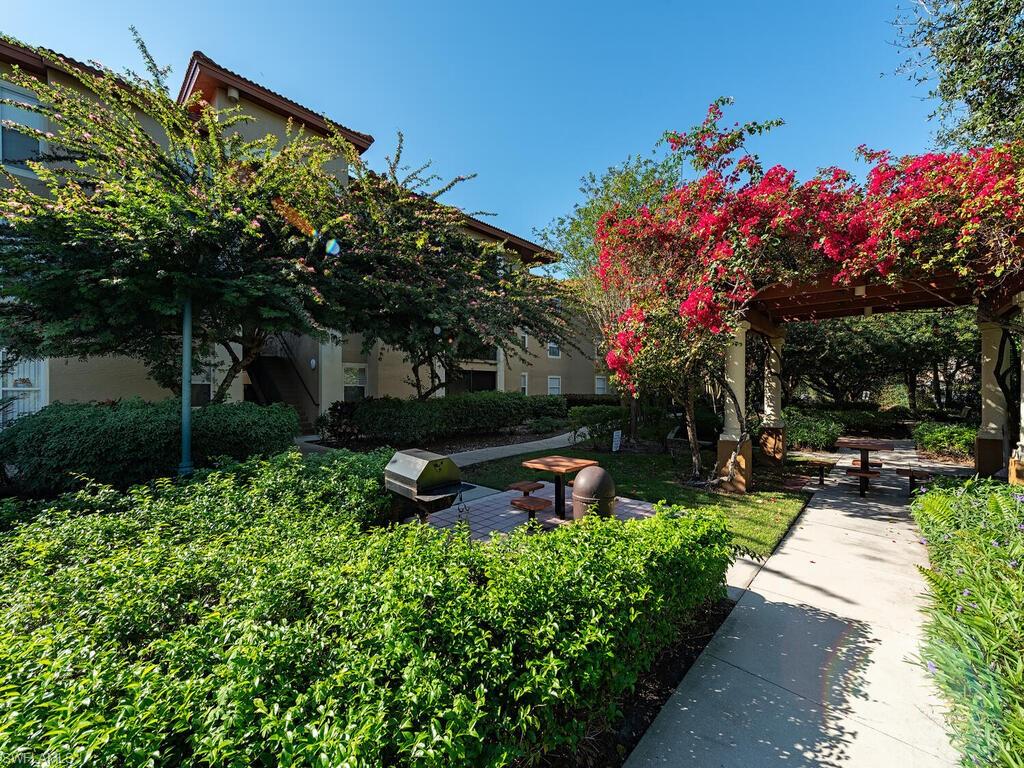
x=393 y=421
x=599 y=421
x=574 y=399
x=975 y=614
x=235 y=621
x=814 y=431
x=133 y=441
x=954 y=441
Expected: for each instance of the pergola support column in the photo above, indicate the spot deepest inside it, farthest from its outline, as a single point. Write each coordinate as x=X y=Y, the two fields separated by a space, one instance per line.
x=988 y=446
x=735 y=412
x=1016 y=468
x=773 y=432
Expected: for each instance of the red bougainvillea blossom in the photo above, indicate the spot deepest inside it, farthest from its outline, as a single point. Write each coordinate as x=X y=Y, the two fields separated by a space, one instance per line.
x=715 y=241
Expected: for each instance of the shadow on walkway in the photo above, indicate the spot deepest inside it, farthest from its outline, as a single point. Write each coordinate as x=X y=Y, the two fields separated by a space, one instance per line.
x=797 y=712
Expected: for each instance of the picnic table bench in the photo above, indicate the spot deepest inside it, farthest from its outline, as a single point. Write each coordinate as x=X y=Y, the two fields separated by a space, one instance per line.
x=862 y=468
x=559 y=466
x=914 y=475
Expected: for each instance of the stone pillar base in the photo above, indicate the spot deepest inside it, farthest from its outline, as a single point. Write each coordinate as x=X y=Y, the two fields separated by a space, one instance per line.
x=744 y=465
x=773 y=444
x=988 y=455
x=1016 y=472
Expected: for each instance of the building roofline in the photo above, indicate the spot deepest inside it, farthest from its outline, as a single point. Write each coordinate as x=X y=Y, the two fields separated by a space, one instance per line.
x=200 y=63
x=29 y=58
x=526 y=248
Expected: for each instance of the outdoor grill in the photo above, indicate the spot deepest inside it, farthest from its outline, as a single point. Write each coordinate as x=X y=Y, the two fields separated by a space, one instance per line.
x=425 y=481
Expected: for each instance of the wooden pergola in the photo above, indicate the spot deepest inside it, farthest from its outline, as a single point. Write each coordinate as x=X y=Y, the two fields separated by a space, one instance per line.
x=823 y=299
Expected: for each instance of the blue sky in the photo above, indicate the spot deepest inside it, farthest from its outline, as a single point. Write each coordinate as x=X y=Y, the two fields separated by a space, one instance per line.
x=532 y=95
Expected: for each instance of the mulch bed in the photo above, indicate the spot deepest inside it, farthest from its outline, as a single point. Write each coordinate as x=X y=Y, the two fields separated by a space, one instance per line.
x=611 y=748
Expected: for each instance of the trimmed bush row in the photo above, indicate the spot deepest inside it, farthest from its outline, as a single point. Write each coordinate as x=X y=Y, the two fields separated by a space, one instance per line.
x=245 y=619
x=599 y=421
x=811 y=430
x=392 y=421
x=133 y=441
x=975 y=614
x=954 y=441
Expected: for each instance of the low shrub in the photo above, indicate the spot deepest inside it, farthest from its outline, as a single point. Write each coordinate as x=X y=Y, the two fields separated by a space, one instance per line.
x=574 y=399
x=236 y=621
x=13 y=512
x=857 y=418
x=974 y=631
x=813 y=431
x=407 y=422
x=599 y=421
x=547 y=424
x=132 y=441
x=953 y=441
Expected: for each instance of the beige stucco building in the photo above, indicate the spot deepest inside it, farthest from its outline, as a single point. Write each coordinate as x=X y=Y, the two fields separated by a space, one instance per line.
x=301 y=371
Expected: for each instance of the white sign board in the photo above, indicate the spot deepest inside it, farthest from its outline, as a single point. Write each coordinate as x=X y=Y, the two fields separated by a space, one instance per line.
x=616 y=440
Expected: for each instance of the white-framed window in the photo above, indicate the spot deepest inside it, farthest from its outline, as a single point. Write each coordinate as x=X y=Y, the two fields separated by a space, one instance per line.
x=202 y=387
x=554 y=385
x=354 y=380
x=524 y=383
x=24 y=388
x=554 y=350
x=600 y=385
x=525 y=339
x=15 y=146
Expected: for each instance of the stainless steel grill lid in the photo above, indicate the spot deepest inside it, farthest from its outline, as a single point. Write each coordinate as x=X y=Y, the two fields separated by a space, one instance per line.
x=428 y=480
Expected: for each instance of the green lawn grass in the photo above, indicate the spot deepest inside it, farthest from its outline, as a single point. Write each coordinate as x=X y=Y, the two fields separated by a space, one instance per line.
x=757 y=520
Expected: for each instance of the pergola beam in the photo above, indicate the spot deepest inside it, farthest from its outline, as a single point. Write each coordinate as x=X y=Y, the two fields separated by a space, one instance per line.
x=761 y=323
x=907 y=301
x=809 y=300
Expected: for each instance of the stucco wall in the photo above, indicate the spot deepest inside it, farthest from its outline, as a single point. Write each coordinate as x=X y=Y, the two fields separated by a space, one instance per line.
x=101 y=378
x=265 y=123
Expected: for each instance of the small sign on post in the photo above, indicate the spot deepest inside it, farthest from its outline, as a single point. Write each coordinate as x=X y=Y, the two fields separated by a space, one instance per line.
x=616 y=440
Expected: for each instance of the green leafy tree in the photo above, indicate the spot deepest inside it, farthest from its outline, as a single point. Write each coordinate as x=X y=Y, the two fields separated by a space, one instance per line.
x=435 y=293
x=144 y=202
x=639 y=181
x=663 y=366
x=842 y=358
x=970 y=53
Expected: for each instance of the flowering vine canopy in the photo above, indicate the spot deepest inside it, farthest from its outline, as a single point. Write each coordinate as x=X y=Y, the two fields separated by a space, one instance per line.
x=713 y=242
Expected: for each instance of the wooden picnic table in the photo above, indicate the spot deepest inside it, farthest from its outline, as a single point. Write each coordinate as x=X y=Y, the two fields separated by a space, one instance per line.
x=559 y=466
x=865 y=445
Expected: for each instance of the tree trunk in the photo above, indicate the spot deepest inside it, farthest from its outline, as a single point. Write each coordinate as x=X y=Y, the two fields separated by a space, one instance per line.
x=238 y=364
x=936 y=385
x=910 y=379
x=634 y=415
x=691 y=434
x=948 y=377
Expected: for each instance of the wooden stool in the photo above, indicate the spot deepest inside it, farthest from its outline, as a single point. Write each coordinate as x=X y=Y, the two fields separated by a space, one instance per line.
x=531 y=505
x=864 y=477
x=820 y=466
x=914 y=475
x=526 y=486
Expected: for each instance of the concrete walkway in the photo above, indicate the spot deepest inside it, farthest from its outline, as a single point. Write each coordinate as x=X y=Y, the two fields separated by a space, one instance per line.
x=816 y=664
x=480 y=455
x=309 y=444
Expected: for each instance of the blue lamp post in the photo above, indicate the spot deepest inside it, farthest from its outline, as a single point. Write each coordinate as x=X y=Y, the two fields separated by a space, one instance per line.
x=185 y=468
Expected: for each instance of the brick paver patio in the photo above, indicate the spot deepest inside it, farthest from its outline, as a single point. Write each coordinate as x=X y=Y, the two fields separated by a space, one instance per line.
x=494 y=513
